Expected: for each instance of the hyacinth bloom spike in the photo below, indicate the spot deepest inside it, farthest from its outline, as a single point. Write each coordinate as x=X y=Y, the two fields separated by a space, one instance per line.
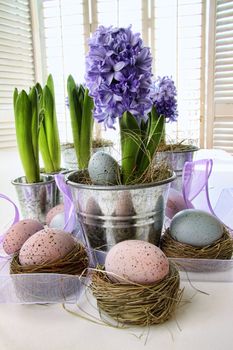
x=118 y=74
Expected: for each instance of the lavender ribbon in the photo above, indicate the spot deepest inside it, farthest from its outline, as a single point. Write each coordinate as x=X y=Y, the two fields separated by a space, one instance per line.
x=195 y=185
x=69 y=210
x=16 y=217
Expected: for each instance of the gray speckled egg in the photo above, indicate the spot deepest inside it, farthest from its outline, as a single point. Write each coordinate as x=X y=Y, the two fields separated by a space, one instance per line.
x=195 y=227
x=103 y=169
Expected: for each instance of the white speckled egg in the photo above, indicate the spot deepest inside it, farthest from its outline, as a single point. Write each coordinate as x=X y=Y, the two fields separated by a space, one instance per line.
x=46 y=246
x=58 y=221
x=103 y=169
x=195 y=227
x=54 y=211
x=136 y=261
x=19 y=233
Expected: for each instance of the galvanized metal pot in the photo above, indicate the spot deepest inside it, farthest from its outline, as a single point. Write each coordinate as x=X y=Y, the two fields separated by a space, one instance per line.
x=36 y=199
x=59 y=195
x=176 y=161
x=69 y=155
x=111 y=214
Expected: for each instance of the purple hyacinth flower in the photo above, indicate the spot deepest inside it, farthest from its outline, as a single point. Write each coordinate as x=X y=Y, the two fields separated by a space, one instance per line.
x=163 y=95
x=118 y=74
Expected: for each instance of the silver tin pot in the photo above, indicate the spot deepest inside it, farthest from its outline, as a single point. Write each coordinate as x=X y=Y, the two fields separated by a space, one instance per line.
x=70 y=159
x=59 y=195
x=176 y=161
x=111 y=214
x=36 y=199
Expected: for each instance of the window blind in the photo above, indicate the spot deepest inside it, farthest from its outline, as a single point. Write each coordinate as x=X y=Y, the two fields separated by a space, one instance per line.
x=16 y=62
x=179 y=52
x=223 y=77
x=173 y=29
x=64 y=28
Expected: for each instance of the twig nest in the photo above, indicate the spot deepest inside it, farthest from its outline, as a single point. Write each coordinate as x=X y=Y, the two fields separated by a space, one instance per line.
x=137 y=304
x=138 y=285
x=19 y=233
x=222 y=248
x=51 y=250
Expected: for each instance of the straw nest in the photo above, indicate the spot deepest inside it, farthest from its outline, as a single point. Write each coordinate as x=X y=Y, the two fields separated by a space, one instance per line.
x=220 y=249
x=137 y=304
x=74 y=263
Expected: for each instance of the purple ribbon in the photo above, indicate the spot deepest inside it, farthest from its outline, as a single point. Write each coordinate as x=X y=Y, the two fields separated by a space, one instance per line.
x=69 y=209
x=16 y=217
x=195 y=185
x=15 y=220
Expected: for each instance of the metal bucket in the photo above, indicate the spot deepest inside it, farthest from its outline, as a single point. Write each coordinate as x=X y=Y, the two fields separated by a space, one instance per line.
x=111 y=214
x=70 y=159
x=36 y=199
x=59 y=195
x=176 y=161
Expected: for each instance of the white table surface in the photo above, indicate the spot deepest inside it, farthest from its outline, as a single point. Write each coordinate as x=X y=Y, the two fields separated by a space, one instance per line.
x=203 y=322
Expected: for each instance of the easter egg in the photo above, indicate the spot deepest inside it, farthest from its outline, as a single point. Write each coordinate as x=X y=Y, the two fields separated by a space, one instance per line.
x=58 y=221
x=195 y=227
x=103 y=169
x=136 y=261
x=19 y=233
x=46 y=246
x=53 y=212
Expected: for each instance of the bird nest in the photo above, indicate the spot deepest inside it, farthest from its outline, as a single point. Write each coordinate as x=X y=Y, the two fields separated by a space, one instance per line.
x=74 y=263
x=220 y=249
x=137 y=304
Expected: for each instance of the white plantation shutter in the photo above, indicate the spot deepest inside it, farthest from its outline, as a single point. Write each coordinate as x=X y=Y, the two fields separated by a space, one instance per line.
x=16 y=62
x=64 y=28
x=116 y=13
x=222 y=111
x=177 y=33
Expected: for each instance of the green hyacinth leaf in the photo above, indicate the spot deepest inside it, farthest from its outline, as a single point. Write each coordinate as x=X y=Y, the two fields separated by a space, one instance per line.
x=130 y=145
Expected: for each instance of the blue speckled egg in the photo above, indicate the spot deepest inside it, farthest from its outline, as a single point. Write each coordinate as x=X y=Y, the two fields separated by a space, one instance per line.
x=103 y=169
x=195 y=227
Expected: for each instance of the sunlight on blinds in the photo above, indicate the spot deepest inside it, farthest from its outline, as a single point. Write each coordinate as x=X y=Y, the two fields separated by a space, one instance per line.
x=223 y=80
x=178 y=43
x=64 y=41
x=16 y=62
x=118 y=13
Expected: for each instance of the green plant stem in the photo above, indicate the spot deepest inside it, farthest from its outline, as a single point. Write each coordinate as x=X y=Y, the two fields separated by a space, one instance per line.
x=26 y=125
x=84 y=152
x=75 y=112
x=130 y=145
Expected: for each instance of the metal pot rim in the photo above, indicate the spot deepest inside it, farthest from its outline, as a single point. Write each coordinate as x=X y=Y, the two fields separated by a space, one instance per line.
x=118 y=187
x=48 y=180
x=193 y=149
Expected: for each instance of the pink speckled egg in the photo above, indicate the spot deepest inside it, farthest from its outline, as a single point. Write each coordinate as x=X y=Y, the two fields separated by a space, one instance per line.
x=19 y=233
x=46 y=246
x=53 y=212
x=136 y=261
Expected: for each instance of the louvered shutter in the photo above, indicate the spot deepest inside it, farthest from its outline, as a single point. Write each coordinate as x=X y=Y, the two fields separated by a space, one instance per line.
x=64 y=29
x=16 y=62
x=223 y=77
x=178 y=37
